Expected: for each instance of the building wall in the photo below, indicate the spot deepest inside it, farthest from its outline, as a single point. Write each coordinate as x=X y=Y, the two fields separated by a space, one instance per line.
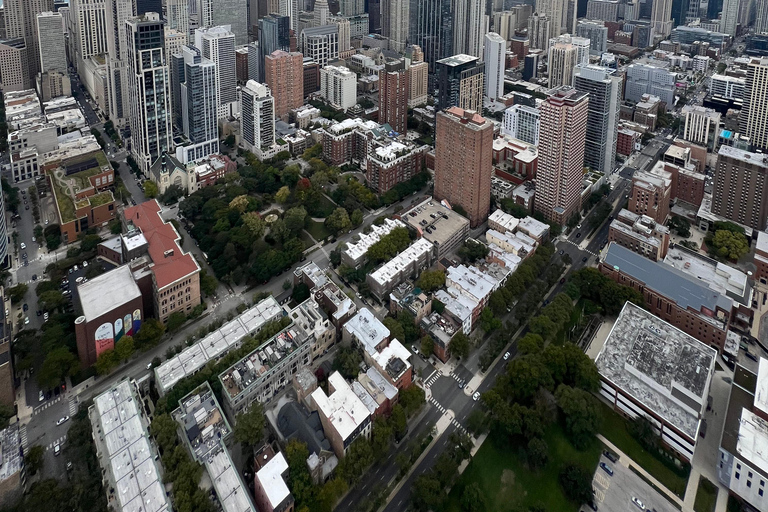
x=740 y=192
x=88 y=348
x=181 y=296
x=394 y=88
x=654 y=203
x=285 y=78
x=638 y=245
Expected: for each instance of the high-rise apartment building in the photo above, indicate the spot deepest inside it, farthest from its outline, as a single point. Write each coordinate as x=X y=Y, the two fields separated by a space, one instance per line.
x=50 y=34
x=397 y=23
x=321 y=44
x=418 y=76
x=338 y=85
x=646 y=79
x=118 y=11
x=702 y=125
x=562 y=134
x=661 y=17
x=351 y=7
x=562 y=63
x=761 y=21
x=538 y=31
x=729 y=87
x=460 y=82
x=394 y=88
x=729 y=17
x=274 y=34
x=606 y=10
x=753 y=121
x=470 y=24
x=177 y=16
x=145 y=6
x=464 y=161
x=597 y=33
x=555 y=9
x=604 y=86
x=148 y=89
x=522 y=122
x=290 y=8
x=218 y=45
x=199 y=106
x=494 y=56
x=651 y=193
x=14 y=65
x=21 y=22
x=284 y=73
x=258 y=119
x=230 y=13
x=431 y=28
x=741 y=192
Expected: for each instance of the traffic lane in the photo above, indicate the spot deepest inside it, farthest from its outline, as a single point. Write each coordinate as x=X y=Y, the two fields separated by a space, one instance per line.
x=616 y=492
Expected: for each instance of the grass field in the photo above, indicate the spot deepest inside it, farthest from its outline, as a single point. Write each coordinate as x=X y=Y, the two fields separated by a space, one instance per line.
x=317 y=230
x=615 y=430
x=509 y=483
x=706 y=496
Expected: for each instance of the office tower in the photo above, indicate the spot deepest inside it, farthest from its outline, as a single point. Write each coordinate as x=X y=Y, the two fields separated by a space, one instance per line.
x=605 y=10
x=394 y=88
x=397 y=23
x=531 y=65
x=562 y=62
x=729 y=19
x=470 y=24
x=241 y=64
x=597 y=33
x=464 y=162
x=418 y=80
x=284 y=75
x=148 y=89
x=570 y=16
x=118 y=11
x=632 y=10
x=145 y=6
x=538 y=31
x=338 y=85
x=740 y=193
x=761 y=21
x=199 y=105
x=645 y=79
x=661 y=17
x=257 y=124
x=753 y=121
x=702 y=125
x=176 y=71
x=50 y=34
x=522 y=122
x=562 y=133
x=14 y=65
x=174 y=41
x=495 y=53
x=431 y=28
x=231 y=13
x=320 y=44
x=374 y=16
x=554 y=9
x=177 y=16
x=253 y=61
x=582 y=45
x=21 y=22
x=342 y=29
x=89 y=19
x=218 y=44
x=274 y=34
x=320 y=11
x=604 y=86
x=351 y=7
x=460 y=82
x=290 y=8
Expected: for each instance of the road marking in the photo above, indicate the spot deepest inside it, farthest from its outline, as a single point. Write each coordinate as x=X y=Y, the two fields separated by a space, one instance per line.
x=23 y=436
x=58 y=441
x=602 y=480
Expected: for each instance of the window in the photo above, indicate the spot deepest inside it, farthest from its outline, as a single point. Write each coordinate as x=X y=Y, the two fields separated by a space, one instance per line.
x=736 y=475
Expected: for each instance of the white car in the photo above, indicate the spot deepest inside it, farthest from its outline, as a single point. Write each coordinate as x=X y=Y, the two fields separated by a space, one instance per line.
x=61 y=420
x=79 y=279
x=40 y=396
x=23 y=246
x=56 y=450
x=638 y=503
x=26 y=320
x=506 y=356
x=85 y=264
x=476 y=396
x=45 y=316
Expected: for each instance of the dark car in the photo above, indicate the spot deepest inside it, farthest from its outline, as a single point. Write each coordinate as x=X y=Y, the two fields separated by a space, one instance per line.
x=611 y=456
x=584 y=259
x=751 y=356
x=562 y=280
x=593 y=505
x=25 y=307
x=605 y=467
x=578 y=235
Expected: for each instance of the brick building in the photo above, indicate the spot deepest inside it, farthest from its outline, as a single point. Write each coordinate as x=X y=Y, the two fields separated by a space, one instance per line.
x=394 y=88
x=651 y=194
x=393 y=162
x=640 y=234
x=285 y=77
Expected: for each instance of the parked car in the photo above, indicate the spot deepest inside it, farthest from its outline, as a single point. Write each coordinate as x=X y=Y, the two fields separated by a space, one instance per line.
x=638 y=503
x=605 y=467
x=611 y=456
x=56 y=450
x=23 y=246
x=40 y=396
x=45 y=317
x=751 y=356
x=506 y=356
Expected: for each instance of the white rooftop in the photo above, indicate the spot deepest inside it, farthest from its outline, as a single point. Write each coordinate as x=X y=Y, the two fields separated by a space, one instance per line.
x=395 y=350
x=413 y=252
x=471 y=281
x=272 y=481
x=232 y=494
x=507 y=221
x=102 y=294
x=367 y=330
x=720 y=277
x=753 y=439
x=761 y=386
x=533 y=227
x=344 y=410
x=357 y=250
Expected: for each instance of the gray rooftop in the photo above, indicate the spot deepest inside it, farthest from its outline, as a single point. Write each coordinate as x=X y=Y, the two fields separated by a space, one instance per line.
x=232 y=494
x=658 y=365
x=10 y=452
x=104 y=293
x=205 y=426
x=435 y=222
x=687 y=291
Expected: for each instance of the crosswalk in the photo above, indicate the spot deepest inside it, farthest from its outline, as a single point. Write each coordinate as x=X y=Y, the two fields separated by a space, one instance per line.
x=52 y=401
x=432 y=378
x=73 y=405
x=436 y=404
x=58 y=441
x=23 y=436
x=577 y=245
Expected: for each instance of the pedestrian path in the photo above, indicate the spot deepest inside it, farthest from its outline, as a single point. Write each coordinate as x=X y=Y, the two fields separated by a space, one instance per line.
x=23 y=436
x=459 y=426
x=58 y=441
x=431 y=380
x=436 y=404
x=73 y=405
x=41 y=408
x=579 y=247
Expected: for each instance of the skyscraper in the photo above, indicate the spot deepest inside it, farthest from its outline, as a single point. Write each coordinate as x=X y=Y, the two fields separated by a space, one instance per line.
x=555 y=10
x=753 y=121
x=148 y=87
x=284 y=73
x=729 y=19
x=321 y=13
x=177 y=16
x=562 y=134
x=145 y=6
x=538 y=31
x=290 y=8
x=258 y=118
x=460 y=82
x=218 y=45
x=604 y=86
x=464 y=162
x=495 y=53
x=351 y=7
x=21 y=22
x=522 y=122
x=274 y=34
x=431 y=28
x=562 y=62
x=199 y=106
x=118 y=11
x=661 y=17
x=394 y=88
x=470 y=24
x=761 y=22
x=231 y=13
x=50 y=34
x=397 y=23
x=14 y=65
x=418 y=72
x=90 y=23
x=740 y=193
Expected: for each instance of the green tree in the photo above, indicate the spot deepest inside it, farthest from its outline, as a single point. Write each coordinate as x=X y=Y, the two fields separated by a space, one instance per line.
x=6 y=413
x=431 y=280
x=330 y=494
x=282 y=195
x=380 y=436
x=642 y=430
x=175 y=320
x=354 y=464
x=473 y=498
x=531 y=343
x=150 y=189
x=163 y=429
x=299 y=479
x=537 y=452
x=17 y=293
x=208 y=283
x=51 y=300
x=59 y=363
x=34 y=459
x=356 y=218
x=89 y=242
x=459 y=347
x=124 y=348
x=488 y=322
x=338 y=221
x=576 y=481
x=427 y=346
x=106 y=362
x=398 y=421
x=543 y=326
x=294 y=219
x=730 y=245
x=150 y=332
x=396 y=329
x=427 y=493
x=347 y=362
x=472 y=251
x=582 y=414
x=249 y=426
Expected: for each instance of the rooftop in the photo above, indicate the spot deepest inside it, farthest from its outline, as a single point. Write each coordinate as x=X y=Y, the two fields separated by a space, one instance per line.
x=205 y=426
x=509 y=222
x=11 y=459
x=367 y=330
x=471 y=281
x=687 y=291
x=435 y=222
x=216 y=344
x=457 y=60
x=393 y=267
x=761 y=386
x=533 y=227
x=658 y=365
x=270 y=476
x=357 y=250
x=170 y=263
x=459 y=305
x=718 y=276
x=104 y=293
x=394 y=359
x=344 y=410
x=744 y=156
x=232 y=494
x=752 y=443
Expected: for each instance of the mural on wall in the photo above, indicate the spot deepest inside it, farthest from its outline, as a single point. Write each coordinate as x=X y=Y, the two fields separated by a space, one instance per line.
x=108 y=334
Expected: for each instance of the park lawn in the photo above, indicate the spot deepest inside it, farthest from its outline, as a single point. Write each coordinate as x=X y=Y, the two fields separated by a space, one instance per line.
x=508 y=483
x=318 y=230
x=614 y=428
x=706 y=496
x=323 y=208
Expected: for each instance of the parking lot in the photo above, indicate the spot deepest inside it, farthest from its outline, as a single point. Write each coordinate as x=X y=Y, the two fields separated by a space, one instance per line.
x=615 y=492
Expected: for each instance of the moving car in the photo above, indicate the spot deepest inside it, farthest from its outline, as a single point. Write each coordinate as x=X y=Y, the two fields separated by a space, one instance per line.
x=56 y=450
x=23 y=246
x=40 y=396
x=476 y=396
x=61 y=420
x=45 y=317
x=414 y=349
x=506 y=356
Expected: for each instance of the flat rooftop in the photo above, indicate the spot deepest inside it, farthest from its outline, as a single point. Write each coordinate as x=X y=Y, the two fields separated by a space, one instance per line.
x=102 y=294
x=216 y=344
x=367 y=330
x=344 y=410
x=471 y=281
x=232 y=493
x=10 y=451
x=435 y=222
x=204 y=425
x=752 y=445
x=687 y=291
x=393 y=267
x=270 y=476
x=658 y=365
x=457 y=60
x=760 y=159
x=357 y=250
x=718 y=276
